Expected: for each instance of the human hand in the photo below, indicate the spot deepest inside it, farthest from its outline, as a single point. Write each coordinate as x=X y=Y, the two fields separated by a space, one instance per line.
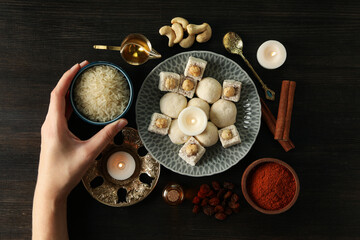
x=64 y=158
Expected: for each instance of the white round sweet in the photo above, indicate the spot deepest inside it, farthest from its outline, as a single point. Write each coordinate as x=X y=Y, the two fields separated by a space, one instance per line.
x=175 y=134
x=171 y=104
x=223 y=113
x=208 y=137
x=209 y=89
x=198 y=102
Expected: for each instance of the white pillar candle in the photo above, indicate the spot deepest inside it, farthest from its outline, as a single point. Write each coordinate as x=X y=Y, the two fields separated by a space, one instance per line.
x=271 y=54
x=192 y=121
x=121 y=165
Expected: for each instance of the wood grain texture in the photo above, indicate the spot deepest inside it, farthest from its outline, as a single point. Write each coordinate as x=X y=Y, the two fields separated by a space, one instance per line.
x=39 y=40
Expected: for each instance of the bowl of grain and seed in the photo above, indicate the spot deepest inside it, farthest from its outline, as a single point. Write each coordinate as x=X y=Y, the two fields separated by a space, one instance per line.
x=101 y=93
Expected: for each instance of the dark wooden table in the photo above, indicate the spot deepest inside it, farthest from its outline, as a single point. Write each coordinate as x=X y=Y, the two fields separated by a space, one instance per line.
x=39 y=40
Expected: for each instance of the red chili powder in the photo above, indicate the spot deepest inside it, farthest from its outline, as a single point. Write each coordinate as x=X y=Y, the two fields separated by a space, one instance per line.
x=271 y=186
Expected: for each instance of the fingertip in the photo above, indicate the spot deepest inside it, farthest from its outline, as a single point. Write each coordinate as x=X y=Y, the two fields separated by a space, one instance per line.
x=84 y=63
x=100 y=140
x=75 y=66
x=73 y=70
x=70 y=73
x=121 y=123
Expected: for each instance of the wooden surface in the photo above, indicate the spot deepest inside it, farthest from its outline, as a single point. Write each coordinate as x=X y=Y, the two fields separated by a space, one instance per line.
x=39 y=40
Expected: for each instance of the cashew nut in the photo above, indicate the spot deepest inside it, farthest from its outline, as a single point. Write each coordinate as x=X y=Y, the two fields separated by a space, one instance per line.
x=187 y=42
x=195 y=29
x=205 y=36
x=167 y=31
x=179 y=32
x=175 y=33
x=180 y=20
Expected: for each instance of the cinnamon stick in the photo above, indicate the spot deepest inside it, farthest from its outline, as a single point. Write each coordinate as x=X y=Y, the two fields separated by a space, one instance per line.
x=289 y=109
x=270 y=121
x=280 y=122
x=283 y=122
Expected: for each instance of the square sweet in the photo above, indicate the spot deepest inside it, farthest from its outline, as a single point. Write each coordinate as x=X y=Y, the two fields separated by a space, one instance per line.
x=187 y=86
x=229 y=136
x=192 y=151
x=231 y=90
x=195 y=68
x=169 y=81
x=159 y=124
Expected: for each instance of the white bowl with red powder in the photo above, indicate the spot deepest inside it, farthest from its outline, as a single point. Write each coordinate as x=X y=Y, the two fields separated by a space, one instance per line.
x=270 y=185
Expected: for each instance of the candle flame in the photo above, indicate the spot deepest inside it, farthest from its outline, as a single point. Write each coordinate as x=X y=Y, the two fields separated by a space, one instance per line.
x=191 y=121
x=121 y=165
x=273 y=54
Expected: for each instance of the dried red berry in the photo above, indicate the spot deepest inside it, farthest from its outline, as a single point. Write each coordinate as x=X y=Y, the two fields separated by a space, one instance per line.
x=204 y=202
x=219 y=208
x=196 y=200
x=214 y=201
x=196 y=209
x=228 y=211
x=229 y=185
x=234 y=197
x=208 y=210
x=233 y=205
x=221 y=193
x=237 y=209
x=210 y=193
x=220 y=216
x=204 y=188
x=201 y=195
x=227 y=194
x=216 y=185
x=217 y=200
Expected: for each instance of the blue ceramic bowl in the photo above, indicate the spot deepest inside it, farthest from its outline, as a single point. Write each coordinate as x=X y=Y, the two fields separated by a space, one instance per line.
x=82 y=70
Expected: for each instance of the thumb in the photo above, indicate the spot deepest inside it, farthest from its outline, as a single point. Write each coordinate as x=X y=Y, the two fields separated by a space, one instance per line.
x=100 y=140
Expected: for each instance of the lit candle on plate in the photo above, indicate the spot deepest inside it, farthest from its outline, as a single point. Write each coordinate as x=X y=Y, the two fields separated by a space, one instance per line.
x=271 y=54
x=192 y=121
x=121 y=165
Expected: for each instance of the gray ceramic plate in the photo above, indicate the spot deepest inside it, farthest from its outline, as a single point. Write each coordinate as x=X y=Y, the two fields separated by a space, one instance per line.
x=216 y=159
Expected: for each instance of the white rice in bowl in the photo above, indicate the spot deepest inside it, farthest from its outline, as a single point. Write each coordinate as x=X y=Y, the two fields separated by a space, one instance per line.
x=101 y=93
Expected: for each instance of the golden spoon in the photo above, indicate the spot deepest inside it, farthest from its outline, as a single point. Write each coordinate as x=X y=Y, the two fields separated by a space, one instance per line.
x=234 y=44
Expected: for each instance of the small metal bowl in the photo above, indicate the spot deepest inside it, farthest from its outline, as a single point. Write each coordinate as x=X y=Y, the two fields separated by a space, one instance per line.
x=248 y=198
x=82 y=70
